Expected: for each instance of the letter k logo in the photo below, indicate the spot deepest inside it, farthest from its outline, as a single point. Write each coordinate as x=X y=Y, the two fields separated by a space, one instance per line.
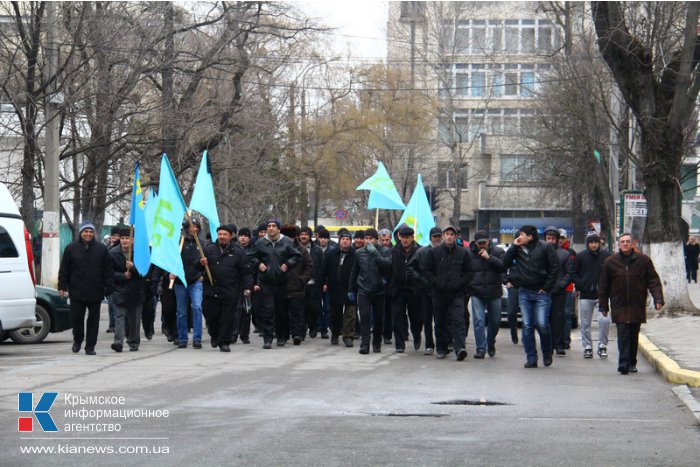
x=41 y=411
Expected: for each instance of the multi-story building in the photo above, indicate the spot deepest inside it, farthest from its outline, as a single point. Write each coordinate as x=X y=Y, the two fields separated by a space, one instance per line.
x=482 y=62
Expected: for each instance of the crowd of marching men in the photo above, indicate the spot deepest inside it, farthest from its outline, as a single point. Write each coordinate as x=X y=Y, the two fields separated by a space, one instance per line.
x=379 y=287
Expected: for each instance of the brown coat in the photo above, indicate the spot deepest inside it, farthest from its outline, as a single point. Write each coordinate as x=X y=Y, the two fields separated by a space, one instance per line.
x=625 y=287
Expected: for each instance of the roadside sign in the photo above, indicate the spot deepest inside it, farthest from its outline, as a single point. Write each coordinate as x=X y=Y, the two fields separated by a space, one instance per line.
x=341 y=214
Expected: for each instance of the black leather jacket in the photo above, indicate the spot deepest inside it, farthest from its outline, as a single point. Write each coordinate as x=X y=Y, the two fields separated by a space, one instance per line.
x=366 y=276
x=274 y=255
x=535 y=269
x=230 y=270
x=448 y=270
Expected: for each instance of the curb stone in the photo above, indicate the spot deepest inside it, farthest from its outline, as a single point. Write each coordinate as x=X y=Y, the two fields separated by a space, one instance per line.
x=665 y=365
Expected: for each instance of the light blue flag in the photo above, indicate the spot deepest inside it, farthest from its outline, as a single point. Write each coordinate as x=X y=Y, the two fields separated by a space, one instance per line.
x=150 y=212
x=137 y=218
x=203 y=200
x=170 y=210
x=418 y=214
x=383 y=194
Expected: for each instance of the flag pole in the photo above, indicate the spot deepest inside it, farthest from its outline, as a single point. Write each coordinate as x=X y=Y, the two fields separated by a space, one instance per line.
x=182 y=243
x=199 y=247
x=376 y=218
x=130 y=253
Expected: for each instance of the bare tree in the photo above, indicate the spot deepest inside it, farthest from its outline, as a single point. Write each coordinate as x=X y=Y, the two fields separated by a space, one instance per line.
x=653 y=52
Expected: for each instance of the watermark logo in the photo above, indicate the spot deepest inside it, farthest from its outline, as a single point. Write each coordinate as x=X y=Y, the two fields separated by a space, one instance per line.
x=40 y=412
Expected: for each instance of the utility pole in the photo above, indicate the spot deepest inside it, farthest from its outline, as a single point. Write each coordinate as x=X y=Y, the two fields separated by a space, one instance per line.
x=51 y=241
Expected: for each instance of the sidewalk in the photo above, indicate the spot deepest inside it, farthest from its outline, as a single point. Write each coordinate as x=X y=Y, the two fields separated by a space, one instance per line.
x=672 y=345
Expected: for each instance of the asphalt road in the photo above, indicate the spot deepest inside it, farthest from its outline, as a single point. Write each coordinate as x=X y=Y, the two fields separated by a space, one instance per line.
x=321 y=405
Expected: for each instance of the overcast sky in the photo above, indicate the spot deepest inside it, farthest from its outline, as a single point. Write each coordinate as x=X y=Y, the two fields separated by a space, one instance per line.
x=360 y=24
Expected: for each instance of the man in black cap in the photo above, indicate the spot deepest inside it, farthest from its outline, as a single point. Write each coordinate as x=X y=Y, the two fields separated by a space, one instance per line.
x=312 y=305
x=588 y=266
x=336 y=276
x=367 y=287
x=128 y=295
x=86 y=274
x=486 y=290
x=533 y=269
x=271 y=258
x=557 y=316
x=401 y=291
x=229 y=266
x=113 y=243
x=246 y=304
x=416 y=267
x=359 y=240
x=448 y=271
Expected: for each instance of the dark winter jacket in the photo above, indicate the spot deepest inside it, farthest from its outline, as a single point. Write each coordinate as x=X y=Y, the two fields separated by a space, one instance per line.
x=586 y=272
x=448 y=270
x=300 y=274
x=488 y=273
x=366 y=276
x=533 y=267
x=623 y=287
x=126 y=292
x=86 y=271
x=691 y=253
x=337 y=276
x=416 y=269
x=401 y=279
x=190 y=259
x=566 y=264
x=274 y=255
x=230 y=270
x=318 y=257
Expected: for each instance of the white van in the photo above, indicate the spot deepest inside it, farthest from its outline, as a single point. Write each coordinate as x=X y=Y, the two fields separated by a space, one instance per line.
x=17 y=294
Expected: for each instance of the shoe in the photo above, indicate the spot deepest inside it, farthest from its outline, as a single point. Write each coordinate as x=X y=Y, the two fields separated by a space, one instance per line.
x=492 y=350
x=530 y=365
x=603 y=353
x=224 y=348
x=387 y=341
x=90 y=352
x=377 y=348
x=461 y=354
x=197 y=344
x=633 y=369
x=149 y=335
x=76 y=347
x=214 y=342
x=567 y=346
x=234 y=339
x=334 y=340
x=479 y=355
x=450 y=347
x=588 y=352
x=133 y=348
x=182 y=345
x=168 y=336
x=245 y=340
x=400 y=349
x=623 y=370
x=324 y=335
x=176 y=342
x=348 y=341
x=110 y=329
x=281 y=342
x=416 y=343
x=560 y=352
x=514 y=339
x=547 y=360
x=267 y=345
x=428 y=351
x=364 y=350
x=296 y=340
x=116 y=347
x=313 y=333
x=441 y=356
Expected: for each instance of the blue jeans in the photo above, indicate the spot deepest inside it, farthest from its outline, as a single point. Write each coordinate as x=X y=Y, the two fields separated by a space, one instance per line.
x=194 y=292
x=479 y=320
x=535 y=309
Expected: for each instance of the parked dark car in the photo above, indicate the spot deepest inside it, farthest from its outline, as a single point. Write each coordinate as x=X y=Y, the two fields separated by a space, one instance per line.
x=52 y=315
